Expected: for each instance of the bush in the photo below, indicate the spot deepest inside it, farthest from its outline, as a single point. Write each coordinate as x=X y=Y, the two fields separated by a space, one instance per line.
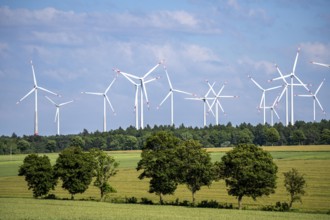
x=146 y=201
x=132 y=200
x=279 y=207
x=214 y=204
x=50 y=196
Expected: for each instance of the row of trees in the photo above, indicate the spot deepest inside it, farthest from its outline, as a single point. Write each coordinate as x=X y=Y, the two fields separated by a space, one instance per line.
x=301 y=133
x=74 y=167
x=167 y=161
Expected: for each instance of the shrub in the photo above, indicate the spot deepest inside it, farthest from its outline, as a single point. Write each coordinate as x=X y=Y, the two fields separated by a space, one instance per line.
x=208 y=204
x=146 y=201
x=279 y=207
x=50 y=196
x=132 y=200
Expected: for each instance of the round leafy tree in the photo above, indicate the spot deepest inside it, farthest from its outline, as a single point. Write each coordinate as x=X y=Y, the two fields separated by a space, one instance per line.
x=38 y=174
x=248 y=171
x=76 y=169
x=159 y=163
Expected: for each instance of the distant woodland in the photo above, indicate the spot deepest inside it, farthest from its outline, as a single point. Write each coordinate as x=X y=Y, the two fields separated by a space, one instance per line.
x=301 y=133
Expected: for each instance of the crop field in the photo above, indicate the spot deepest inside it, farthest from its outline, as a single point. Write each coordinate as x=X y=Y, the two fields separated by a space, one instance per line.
x=312 y=161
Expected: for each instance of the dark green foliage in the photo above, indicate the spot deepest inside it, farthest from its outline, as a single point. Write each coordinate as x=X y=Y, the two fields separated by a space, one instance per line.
x=279 y=207
x=75 y=168
x=146 y=201
x=294 y=183
x=248 y=171
x=105 y=167
x=272 y=135
x=195 y=168
x=38 y=174
x=310 y=133
x=214 y=204
x=131 y=200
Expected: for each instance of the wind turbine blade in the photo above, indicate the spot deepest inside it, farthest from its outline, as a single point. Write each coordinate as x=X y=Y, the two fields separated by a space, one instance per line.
x=46 y=90
x=318 y=102
x=168 y=94
x=151 y=70
x=32 y=90
x=318 y=89
x=220 y=106
x=282 y=93
x=51 y=100
x=276 y=87
x=65 y=103
x=130 y=75
x=208 y=105
x=180 y=91
x=168 y=78
x=279 y=71
x=144 y=89
x=261 y=100
x=93 y=93
x=110 y=85
x=211 y=88
x=150 y=80
x=295 y=61
x=302 y=83
x=34 y=75
x=257 y=84
x=56 y=114
x=136 y=97
x=321 y=64
x=278 y=117
x=220 y=91
x=106 y=97
x=281 y=77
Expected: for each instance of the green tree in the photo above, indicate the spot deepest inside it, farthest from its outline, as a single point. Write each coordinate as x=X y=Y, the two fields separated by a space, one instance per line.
x=248 y=171
x=272 y=135
x=51 y=145
x=105 y=168
x=325 y=136
x=159 y=163
x=76 y=169
x=298 y=136
x=196 y=168
x=77 y=141
x=23 y=145
x=294 y=183
x=38 y=174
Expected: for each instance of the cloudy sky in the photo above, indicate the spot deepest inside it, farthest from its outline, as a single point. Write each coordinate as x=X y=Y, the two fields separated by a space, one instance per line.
x=75 y=45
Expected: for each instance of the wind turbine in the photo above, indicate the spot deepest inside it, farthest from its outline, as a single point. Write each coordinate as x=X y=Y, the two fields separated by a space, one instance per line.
x=35 y=90
x=105 y=100
x=263 y=96
x=285 y=90
x=292 y=76
x=321 y=64
x=217 y=103
x=205 y=99
x=170 y=93
x=143 y=91
x=315 y=99
x=272 y=111
x=57 y=114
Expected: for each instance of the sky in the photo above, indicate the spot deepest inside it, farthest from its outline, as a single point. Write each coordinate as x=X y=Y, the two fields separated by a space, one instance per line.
x=75 y=45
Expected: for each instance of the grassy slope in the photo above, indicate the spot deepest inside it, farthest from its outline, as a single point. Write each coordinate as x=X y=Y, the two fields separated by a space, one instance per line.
x=12 y=208
x=315 y=164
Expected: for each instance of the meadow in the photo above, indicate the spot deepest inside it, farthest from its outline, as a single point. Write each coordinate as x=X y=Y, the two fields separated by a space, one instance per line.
x=312 y=161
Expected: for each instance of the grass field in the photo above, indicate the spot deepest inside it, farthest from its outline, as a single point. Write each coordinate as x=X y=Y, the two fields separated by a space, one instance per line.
x=313 y=161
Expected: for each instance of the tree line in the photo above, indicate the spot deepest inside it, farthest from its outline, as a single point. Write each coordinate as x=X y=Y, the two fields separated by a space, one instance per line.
x=301 y=133
x=167 y=161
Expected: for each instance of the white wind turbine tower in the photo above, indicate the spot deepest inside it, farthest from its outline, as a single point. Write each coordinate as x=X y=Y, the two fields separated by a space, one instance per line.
x=105 y=100
x=170 y=93
x=57 y=114
x=285 y=90
x=35 y=90
x=263 y=96
x=205 y=99
x=217 y=103
x=143 y=91
x=321 y=64
x=272 y=111
x=315 y=99
x=293 y=76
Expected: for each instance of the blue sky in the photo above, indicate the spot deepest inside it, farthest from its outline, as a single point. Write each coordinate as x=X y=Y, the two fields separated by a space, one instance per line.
x=75 y=45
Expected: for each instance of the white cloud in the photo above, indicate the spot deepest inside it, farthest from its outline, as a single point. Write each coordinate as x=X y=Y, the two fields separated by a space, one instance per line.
x=316 y=50
x=261 y=66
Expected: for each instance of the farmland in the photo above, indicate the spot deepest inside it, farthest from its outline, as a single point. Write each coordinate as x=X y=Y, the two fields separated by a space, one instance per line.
x=313 y=161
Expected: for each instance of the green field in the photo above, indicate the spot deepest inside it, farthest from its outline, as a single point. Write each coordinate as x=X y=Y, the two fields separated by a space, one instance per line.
x=313 y=161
